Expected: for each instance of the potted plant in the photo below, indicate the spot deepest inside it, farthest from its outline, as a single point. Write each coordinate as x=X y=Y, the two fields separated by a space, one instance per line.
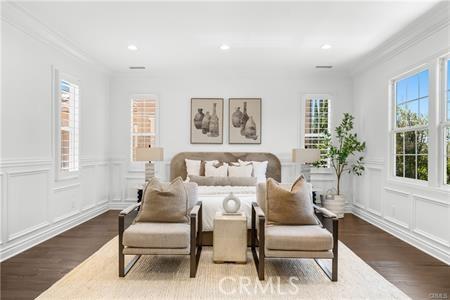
x=342 y=155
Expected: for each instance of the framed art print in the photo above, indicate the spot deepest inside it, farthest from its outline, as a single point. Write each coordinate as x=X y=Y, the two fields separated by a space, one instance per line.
x=206 y=121
x=244 y=121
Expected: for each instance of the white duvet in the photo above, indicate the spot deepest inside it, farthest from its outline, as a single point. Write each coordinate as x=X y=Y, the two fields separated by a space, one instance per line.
x=212 y=198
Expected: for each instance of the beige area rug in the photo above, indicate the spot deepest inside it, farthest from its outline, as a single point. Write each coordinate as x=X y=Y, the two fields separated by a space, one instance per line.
x=164 y=277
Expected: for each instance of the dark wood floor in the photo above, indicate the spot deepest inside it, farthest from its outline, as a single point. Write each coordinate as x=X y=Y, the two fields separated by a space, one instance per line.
x=30 y=273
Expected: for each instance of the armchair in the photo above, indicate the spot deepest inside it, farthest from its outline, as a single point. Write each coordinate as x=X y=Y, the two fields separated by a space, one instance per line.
x=294 y=241
x=146 y=238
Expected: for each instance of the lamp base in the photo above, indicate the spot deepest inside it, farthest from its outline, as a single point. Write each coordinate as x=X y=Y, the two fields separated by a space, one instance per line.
x=149 y=171
x=306 y=171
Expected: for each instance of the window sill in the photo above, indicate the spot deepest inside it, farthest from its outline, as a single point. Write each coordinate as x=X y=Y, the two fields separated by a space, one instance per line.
x=418 y=184
x=67 y=177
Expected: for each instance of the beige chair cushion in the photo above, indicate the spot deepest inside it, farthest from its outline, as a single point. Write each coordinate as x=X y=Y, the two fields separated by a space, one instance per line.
x=223 y=181
x=298 y=238
x=157 y=235
x=292 y=207
x=164 y=203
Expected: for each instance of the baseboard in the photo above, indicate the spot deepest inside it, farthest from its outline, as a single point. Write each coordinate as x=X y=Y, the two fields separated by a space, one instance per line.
x=403 y=235
x=15 y=247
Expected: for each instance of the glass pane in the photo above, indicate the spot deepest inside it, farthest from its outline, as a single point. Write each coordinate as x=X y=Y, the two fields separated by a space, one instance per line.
x=399 y=143
x=422 y=167
x=422 y=142
x=423 y=83
x=401 y=116
x=448 y=105
x=423 y=110
x=410 y=166
x=412 y=108
x=410 y=142
x=399 y=165
x=412 y=87
x=400 y=91
x=448 y=170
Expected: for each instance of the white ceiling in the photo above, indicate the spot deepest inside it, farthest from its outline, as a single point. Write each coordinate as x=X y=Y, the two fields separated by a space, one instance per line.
x=186 y=36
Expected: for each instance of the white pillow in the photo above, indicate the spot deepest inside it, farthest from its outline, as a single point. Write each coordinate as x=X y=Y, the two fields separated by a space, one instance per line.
x=193 y=166
x=240 y=171
x=211 y=170
x=259 y=169
x=211 y=162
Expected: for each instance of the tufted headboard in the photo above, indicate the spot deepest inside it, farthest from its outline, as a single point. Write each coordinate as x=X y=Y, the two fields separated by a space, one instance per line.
x=178 y=165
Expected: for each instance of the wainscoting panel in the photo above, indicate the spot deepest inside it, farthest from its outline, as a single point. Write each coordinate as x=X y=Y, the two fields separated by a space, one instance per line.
x=88 y=186
x=27 y=199
x=374 y=190
x=402 y=209
x=397 y=207
x=65 y=201
x=435 y=228
x=35 y=207
x=102 y=185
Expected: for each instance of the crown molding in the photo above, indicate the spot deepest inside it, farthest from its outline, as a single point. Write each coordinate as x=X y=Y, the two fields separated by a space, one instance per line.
x=15 y=15
x=436 y=19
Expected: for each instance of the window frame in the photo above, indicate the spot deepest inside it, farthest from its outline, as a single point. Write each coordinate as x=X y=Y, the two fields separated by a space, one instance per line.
x=393 y=129
x=444 y=121
x=139 y=165
x=58 y=76
x=302 y=120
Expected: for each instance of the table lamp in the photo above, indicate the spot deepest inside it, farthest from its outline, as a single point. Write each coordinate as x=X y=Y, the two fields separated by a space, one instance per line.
x=306 y=157
x=149 y=154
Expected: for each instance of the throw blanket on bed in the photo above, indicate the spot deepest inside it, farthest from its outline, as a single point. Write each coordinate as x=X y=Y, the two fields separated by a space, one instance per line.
x=212 y=198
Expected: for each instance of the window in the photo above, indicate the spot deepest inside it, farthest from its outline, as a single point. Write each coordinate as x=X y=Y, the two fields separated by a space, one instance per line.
x=317 y=122
x=446 y=118
x=143 y=123
x=411 y=125
x=68 y=126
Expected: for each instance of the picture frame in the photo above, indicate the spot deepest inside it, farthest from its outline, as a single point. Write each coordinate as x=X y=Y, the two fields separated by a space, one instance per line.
x=244 y=121
x=206 y=120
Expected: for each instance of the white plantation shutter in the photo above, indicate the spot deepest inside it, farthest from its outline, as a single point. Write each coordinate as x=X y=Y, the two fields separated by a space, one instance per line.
x=317 y=120
x=143 y=124
x=69 y=126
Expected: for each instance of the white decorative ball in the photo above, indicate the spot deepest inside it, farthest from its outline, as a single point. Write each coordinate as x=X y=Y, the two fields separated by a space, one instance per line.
x=231 y=207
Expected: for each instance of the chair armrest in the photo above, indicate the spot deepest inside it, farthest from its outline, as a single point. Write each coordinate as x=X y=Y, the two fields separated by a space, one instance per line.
x=195 y=210
x=129 y=209
x=325 y=211
x=258 y=211
x=196 y=219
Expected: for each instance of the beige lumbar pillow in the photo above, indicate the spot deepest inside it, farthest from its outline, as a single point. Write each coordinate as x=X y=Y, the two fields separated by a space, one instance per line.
x=292 y=207
x=168 y=203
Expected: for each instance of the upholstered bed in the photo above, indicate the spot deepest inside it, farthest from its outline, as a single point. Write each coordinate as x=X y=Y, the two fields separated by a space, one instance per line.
x=212 y=196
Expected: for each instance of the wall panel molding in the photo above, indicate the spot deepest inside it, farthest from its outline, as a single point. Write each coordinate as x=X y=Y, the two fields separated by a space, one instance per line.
x=433 y=249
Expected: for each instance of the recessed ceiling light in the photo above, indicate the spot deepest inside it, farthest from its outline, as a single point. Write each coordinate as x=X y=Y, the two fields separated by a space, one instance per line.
x=325 y=46
x=132 y=47
x=224 y=47
x=323 y=67
x=136 y=68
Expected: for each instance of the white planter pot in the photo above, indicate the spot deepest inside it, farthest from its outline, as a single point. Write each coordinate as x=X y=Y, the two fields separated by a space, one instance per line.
x=335 y=205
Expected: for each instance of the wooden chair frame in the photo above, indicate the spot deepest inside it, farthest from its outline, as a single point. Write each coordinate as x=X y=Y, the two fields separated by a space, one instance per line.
x=329 y=221
x=126 y=218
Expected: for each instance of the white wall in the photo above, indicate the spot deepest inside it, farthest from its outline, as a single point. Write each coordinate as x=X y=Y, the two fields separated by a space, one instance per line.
x=34 y=205
x=418 y=214
x=281 y=97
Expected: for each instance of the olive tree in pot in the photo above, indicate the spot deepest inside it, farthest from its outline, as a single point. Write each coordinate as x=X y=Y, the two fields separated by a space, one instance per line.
x=344 y=156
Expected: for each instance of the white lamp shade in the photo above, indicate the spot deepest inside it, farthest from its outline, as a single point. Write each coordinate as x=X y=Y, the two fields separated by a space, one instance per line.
x=303 y=156
x=149 y=154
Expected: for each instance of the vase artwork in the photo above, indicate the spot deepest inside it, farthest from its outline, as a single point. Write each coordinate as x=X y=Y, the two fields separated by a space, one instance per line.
x=206 y=120
x=245 y=124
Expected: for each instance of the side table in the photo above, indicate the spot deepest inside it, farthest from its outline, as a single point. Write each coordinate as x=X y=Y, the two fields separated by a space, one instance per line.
x=230 y=238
